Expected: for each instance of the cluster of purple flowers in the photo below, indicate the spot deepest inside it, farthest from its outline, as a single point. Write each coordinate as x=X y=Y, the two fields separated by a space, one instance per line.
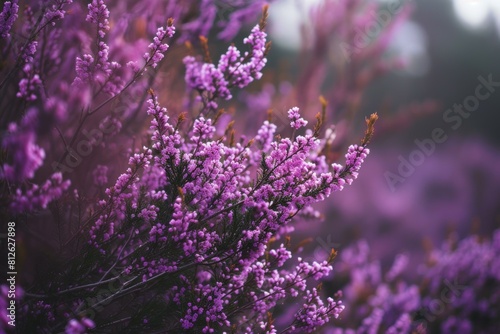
x=461 y=291
x=453 y=291
x=202 y=217
x=233 y=70
x=7 y=17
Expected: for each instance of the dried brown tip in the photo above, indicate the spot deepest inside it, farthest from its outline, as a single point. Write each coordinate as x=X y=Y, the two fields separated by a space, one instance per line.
x=370 y=128
x=317 y=126
x=250 y=142
x=270 y=115
x=428 y=246
x=229 y=127
x=265 y=15
x=302 y=243
x=332 y=256
x=268 y=48
x=270 y=320
x=181 y=118
x=206 y=51
x=181 y=194
x=324 y=104
x=320 y=117
x=476 y=226
x=189 y=47
x=151 y=92
x=231 y=138
x=229 y=130
x=287 y=241
x=170 y=22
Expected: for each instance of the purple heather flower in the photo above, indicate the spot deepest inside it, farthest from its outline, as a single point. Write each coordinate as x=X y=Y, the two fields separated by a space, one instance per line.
x=296 y=122
x=83 y=68
x=215 y=188
x=8 y=16
x=29 y=52
x=158 y=48
x=56 y=11
x=100 y=175
x=28 y=86
x=314 y=313
x=79 y=326
x=195 y=217
x=99 y=14
x=233 y=70
x=27 y=155
x=96 y=68
x=38 y=197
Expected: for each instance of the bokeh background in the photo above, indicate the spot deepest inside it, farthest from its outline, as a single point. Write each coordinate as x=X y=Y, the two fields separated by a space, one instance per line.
x=444 y=46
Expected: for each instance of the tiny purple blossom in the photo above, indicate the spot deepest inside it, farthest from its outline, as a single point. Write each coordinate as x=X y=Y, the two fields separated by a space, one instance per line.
x=99 y=14
x=157 y=47
x=296 y=122
x=8 y=16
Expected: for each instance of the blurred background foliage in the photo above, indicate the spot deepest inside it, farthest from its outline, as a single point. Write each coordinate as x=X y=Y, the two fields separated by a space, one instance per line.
x=445 y=45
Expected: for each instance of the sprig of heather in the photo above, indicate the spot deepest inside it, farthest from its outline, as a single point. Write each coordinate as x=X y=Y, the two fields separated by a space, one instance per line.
x=7 y=17
x=233 y=70
x=90 y=68
x=50 y=14
x=158 y=47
